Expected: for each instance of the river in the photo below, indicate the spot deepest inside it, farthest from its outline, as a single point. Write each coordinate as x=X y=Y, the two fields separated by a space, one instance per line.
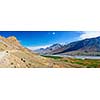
x=78 y=57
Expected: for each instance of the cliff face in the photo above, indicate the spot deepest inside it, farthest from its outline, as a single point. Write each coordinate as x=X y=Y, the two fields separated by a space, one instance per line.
x=9 y=43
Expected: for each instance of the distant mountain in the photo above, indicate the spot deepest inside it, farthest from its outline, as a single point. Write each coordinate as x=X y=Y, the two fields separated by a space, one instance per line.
x=50 y=50
x=86 y=46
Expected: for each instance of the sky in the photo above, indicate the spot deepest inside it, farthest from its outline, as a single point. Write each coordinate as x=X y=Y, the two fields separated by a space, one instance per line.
x=42 y=39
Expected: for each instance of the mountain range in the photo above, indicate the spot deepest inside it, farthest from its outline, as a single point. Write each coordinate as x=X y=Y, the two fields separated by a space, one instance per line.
x=90 y=46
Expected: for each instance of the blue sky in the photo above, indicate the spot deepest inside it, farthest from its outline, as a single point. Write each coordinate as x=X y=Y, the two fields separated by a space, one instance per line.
x=45 y=38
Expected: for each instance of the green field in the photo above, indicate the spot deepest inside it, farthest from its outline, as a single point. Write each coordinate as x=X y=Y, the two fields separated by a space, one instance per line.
x=88 y=63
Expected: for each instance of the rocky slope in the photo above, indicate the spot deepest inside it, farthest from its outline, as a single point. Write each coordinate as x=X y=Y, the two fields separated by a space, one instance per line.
x=13 y=54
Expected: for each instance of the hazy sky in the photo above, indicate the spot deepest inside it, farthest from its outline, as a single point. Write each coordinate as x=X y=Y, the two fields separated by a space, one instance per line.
x=38 y=39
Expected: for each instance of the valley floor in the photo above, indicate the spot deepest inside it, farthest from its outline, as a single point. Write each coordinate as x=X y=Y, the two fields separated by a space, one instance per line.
x=19 y=59
x=77 y=62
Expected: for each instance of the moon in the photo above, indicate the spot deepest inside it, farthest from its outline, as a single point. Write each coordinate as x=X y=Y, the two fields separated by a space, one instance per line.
x=53 y=33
